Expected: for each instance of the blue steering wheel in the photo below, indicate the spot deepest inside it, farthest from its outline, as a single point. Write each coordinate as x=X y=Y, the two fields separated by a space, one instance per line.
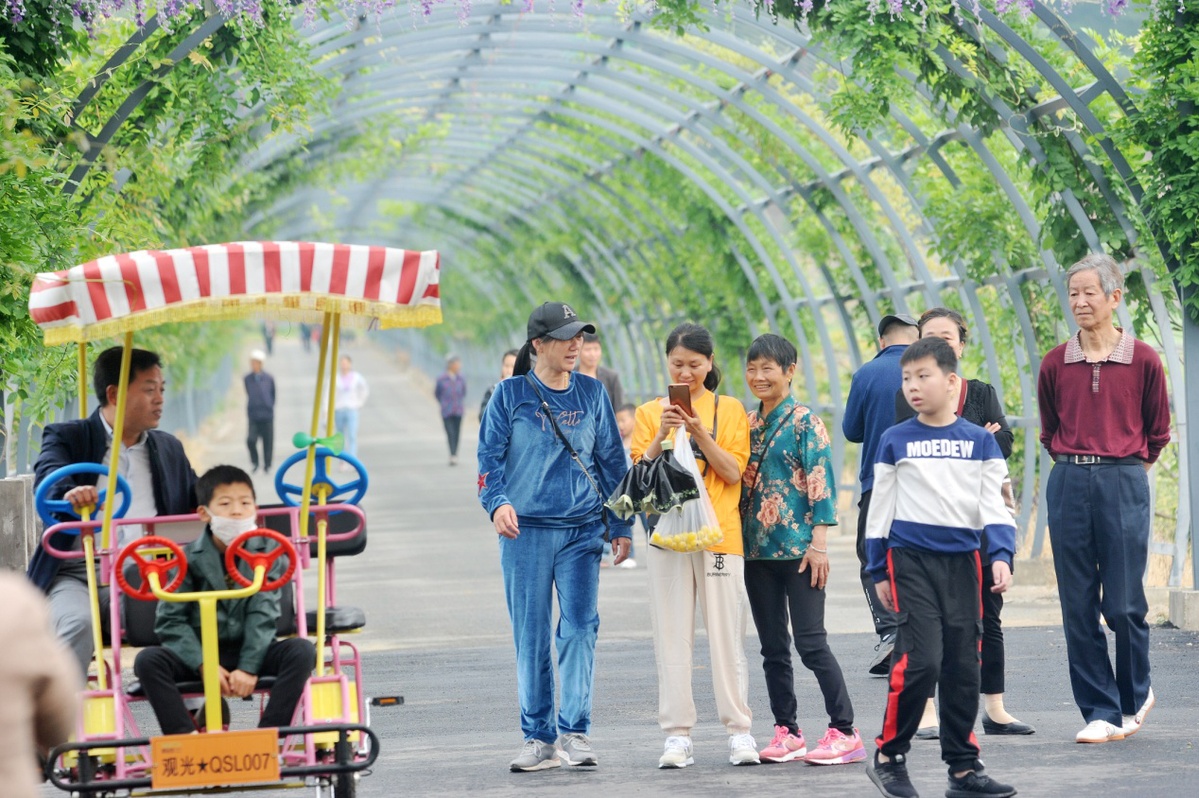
x=291 y=494
x=47 y=507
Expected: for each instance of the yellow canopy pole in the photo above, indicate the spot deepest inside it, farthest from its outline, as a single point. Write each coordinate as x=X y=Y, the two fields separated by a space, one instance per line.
x=82 y=384
x=310 y=461
x=93 y=594
x=114 y=461
x=118 y=432
x=322 y=525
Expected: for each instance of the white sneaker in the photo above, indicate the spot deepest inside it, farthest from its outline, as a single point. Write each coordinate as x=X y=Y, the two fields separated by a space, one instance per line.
x=1133 y=723
x=743 y=750
x=677 y=753
x=1099 y=731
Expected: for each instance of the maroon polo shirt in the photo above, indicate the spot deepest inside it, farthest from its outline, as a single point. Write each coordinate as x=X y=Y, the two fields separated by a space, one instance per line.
x=1116 y=407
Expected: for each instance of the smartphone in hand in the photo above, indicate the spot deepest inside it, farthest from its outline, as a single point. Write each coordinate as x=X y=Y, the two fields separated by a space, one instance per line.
x=680 y=396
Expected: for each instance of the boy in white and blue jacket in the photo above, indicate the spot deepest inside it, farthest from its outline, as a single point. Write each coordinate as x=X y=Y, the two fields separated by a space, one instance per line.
x=937 y=485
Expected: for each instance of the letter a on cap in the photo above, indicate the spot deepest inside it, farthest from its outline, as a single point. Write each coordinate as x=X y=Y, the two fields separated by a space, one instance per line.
x=568 y=312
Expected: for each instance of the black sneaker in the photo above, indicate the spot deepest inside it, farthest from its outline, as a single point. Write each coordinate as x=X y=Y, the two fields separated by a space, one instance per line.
x=891 y=778
x=975 y=784
x=880 y=663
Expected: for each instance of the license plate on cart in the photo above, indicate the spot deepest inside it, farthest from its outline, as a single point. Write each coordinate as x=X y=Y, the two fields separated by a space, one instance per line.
x=215 y=760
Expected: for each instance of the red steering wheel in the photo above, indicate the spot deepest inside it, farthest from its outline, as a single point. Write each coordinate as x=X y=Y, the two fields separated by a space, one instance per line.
x=264 y=558
x=148 y=564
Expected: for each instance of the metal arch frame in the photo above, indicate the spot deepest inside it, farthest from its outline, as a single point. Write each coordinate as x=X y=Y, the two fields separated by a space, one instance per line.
x=735 y=90
x=476 y=50
x=1155 y=296
x=728 y=209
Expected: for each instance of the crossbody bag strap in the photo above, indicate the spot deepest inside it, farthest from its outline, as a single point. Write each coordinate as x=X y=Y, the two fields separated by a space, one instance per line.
x=545 y=408
x=747 y=500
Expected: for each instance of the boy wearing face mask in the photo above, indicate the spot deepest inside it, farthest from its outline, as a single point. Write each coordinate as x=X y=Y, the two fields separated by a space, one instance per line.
x=245 y=627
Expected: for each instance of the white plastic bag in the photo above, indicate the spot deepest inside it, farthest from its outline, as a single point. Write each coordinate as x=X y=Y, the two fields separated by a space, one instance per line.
x=692 y=526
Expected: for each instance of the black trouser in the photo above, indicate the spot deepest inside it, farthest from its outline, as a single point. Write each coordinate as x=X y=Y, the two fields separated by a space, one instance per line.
x=992 y=646
x=776 y=589
x=937 y=638
x=884 y=619
x=290 y=661
x=264 y=430
x=453 y=425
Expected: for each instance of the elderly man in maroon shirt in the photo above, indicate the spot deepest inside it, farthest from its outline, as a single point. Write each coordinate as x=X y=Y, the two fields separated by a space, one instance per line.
x=1105 y=418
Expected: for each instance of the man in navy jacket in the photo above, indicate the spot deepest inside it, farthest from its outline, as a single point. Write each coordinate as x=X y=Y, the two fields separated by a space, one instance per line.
x=869 y=411
x=153 y=462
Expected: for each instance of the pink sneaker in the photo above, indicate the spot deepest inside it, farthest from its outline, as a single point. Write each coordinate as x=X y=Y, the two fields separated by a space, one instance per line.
x=785 y=746
x=836 y=748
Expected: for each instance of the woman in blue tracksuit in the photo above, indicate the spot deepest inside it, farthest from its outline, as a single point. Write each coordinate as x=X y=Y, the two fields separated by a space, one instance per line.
x=548 y=512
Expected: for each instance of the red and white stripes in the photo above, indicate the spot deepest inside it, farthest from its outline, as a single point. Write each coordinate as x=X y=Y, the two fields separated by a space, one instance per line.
x=379 y=282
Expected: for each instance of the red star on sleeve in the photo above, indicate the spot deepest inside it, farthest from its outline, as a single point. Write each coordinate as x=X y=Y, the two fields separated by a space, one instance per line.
x=483 y=481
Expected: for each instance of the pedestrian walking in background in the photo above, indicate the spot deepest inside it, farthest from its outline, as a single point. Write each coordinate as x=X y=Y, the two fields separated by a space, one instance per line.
x=268 y=336
x=352 y=393
x=869 y=411
x=549 y=454
x=37 y=688
x=589 y=364
x=451 y=396
x=1105 y=418
x=306 y=337
x=260 y=408
x=507 y=362
x=714 y=578
x=977 y=402
x=938 y=483
x=788 y=502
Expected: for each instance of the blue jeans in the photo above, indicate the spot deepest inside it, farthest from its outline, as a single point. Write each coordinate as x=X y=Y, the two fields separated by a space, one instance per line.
x=536 y=563
x=1099 y=529
x=346 y=422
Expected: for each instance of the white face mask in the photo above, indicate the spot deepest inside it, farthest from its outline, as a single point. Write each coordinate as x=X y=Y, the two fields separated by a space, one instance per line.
x=227 y=530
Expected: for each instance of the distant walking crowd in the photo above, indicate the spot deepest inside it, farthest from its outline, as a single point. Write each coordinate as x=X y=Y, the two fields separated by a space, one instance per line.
x=936 y=537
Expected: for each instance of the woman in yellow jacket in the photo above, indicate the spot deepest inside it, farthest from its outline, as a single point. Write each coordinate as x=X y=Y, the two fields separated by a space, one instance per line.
x=714 y=578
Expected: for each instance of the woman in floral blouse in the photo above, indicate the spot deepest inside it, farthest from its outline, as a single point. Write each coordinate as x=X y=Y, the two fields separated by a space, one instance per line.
x=788 y=502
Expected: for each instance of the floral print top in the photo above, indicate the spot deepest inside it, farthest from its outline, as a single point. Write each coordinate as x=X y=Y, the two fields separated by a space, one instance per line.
x=788 y=485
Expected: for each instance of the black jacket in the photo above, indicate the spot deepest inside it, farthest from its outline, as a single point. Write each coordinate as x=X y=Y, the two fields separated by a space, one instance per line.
x=260 y=396
x=86 y=441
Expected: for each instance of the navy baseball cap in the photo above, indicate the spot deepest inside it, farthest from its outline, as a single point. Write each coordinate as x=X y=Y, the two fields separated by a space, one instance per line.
x=557 y=320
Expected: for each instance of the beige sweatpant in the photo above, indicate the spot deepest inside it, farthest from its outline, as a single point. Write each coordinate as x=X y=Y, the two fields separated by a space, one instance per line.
x=717 y=581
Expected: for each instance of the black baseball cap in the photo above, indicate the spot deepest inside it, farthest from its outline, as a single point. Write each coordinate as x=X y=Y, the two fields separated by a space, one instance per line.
x=895 y=318
x=557 y=320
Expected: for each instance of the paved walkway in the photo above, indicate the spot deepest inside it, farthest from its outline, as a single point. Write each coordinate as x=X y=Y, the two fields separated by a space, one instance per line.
x=438 y=634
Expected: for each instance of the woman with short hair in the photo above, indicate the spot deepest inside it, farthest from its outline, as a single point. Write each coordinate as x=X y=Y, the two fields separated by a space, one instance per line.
x=788 y=502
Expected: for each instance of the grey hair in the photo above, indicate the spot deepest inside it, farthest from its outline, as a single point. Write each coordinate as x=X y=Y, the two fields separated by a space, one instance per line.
x=1110 y=276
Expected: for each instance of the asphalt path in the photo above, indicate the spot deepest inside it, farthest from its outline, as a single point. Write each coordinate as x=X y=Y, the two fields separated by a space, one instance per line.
x=437 y=634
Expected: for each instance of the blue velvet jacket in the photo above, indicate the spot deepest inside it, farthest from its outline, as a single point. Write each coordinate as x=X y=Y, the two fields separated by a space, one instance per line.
x=522 y=462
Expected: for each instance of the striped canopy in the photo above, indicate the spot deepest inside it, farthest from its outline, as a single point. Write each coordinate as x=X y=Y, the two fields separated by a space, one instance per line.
x=290 y=280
